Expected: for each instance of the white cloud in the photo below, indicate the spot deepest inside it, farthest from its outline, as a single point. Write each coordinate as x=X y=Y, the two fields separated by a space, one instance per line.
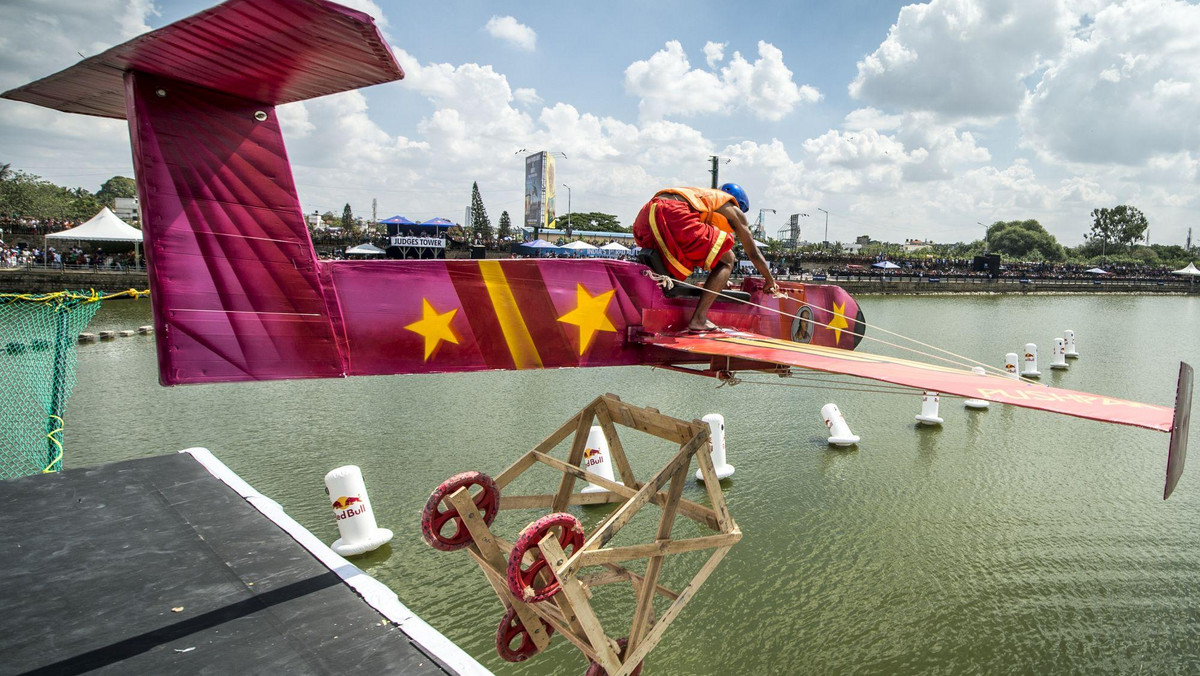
x=515 y=33
x=961 y=58
x=527 y=96
x=1122 y=90
x=714 y=53
x=669 y=86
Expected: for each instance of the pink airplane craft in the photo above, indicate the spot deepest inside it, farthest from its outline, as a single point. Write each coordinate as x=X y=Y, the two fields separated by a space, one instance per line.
x=239 y=293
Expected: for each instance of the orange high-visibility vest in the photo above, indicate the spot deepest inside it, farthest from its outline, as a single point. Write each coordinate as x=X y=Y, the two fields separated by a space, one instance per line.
x=706 y=201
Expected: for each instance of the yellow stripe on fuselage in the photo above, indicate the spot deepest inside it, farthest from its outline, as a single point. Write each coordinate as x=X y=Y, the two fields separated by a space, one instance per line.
x=512 y=324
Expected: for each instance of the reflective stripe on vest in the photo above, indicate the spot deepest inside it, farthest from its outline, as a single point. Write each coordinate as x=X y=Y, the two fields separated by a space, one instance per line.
x=706 y=201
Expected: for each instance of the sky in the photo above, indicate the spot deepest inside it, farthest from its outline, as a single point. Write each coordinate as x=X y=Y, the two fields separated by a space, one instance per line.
x=899 y=121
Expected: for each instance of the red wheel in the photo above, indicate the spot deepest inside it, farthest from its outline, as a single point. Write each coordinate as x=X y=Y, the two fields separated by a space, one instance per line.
x=594 y=668
x=521 y=579
x=434 y=518
x=511 y=628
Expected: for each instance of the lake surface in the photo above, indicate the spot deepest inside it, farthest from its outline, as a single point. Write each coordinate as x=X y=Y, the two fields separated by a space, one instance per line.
x=1005 y=541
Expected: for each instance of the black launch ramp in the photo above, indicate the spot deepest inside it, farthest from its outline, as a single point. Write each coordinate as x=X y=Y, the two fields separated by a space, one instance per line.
x=174 y=565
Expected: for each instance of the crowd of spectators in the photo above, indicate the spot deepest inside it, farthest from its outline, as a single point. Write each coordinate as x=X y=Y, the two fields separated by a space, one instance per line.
x=961 y=268
x=74 y=258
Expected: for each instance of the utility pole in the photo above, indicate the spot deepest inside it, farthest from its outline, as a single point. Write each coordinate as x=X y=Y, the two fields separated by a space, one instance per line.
x=826 y=225
x=568 y=209
x=713 y=171
x=1189 y=242
x=374 y=213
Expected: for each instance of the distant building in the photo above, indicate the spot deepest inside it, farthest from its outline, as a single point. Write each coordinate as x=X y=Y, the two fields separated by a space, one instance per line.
x=863 y=240
x=913 y=245
x=126 y=208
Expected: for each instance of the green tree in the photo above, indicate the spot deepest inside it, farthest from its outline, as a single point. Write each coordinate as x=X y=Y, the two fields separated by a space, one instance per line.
x=480 y=225
x=505 y=227
x=347 y=217
x=117 y=186
x=1122 y=224
x=1023 y=240
x=328 y=218
x=592 y=220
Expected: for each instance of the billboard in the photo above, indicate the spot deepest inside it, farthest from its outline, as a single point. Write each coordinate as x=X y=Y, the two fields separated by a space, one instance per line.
x=539 y=190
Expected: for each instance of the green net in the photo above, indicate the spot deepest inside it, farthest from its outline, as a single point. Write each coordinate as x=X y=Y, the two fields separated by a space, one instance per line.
x=38 y=333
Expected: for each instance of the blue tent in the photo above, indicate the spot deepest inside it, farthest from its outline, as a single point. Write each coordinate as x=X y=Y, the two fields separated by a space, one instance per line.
x=438 y=222
x=538 y=247
x=397 y=220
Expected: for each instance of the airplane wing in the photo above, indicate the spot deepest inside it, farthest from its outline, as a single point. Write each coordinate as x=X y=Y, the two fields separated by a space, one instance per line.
x=749 y=349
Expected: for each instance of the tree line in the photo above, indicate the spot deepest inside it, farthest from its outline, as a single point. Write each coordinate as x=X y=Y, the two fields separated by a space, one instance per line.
x=26 y=195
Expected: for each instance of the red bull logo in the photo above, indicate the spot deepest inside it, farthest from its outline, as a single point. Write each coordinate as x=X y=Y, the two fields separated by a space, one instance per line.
x=1028 y=356
x=344 y=507
x=592 y=457
x=1011 y=368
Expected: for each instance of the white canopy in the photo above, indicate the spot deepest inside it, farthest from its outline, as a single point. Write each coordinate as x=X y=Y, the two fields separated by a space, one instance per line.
x=579 y=245
x=1098 y=271
x=613 y=246
x=886 y=265
x=365 y=249
x=1190 y=270
x=103 y=227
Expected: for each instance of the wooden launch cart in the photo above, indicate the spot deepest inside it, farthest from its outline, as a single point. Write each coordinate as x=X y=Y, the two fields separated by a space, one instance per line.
x=538 y=577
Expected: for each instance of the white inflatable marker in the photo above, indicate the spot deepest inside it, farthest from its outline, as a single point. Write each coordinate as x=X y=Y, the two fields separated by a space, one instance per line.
x=716 y=426
x=1059 y=360
x=1069 y=335
x=355 y=518
x=1030 y=368
x=597 y=459
x=1010 y=365
x=839 y=431
x=977 y=404
x=930 y=403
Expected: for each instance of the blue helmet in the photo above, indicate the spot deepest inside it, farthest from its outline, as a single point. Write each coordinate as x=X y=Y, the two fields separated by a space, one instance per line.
x=738 y=194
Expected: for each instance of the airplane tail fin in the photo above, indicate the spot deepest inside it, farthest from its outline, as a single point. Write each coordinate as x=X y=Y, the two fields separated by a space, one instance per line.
x=238 y=291
x=1177 y=451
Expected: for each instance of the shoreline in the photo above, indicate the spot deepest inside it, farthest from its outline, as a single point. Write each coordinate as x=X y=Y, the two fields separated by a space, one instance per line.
x=50 y=281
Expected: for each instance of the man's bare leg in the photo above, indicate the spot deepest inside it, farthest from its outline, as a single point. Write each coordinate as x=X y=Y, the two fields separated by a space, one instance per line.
x=717 y=280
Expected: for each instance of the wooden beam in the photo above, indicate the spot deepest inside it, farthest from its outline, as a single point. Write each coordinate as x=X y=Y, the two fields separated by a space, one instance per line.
x=616 y=449
x=645 y=605
x=712 y=486
x=572 y=590
x=655 y=634
x=625 y=512
x=542 y=501
x=582 y=427
x=660 y=548
x=492 y=557
x=514 y=470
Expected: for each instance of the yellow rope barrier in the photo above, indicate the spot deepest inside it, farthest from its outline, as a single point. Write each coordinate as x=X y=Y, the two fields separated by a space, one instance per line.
x=60 y=297
x=57 y=441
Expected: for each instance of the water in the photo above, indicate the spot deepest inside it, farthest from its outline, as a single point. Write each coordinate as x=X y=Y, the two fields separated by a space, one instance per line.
x=1006 y=541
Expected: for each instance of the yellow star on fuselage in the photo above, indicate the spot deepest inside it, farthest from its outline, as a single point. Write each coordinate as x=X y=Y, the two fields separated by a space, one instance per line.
x=590 y=315
x=838 y=322
x=434 y=327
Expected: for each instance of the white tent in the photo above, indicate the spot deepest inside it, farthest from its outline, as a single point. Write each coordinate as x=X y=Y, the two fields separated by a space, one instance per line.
x=1098 y=271
x=886 y=265
x=103 y=227
x=365 y=249
x=581 y=248
x=1190 y=271
x=613 y=246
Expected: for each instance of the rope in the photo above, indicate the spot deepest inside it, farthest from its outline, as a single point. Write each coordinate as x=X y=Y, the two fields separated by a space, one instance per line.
x=962 y=360
x=57 y=441
x=65 y=297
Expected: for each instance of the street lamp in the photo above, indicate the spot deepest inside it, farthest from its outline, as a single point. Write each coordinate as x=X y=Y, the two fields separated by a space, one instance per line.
x=985 y=236
x=568 y=209
x=826 y=225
